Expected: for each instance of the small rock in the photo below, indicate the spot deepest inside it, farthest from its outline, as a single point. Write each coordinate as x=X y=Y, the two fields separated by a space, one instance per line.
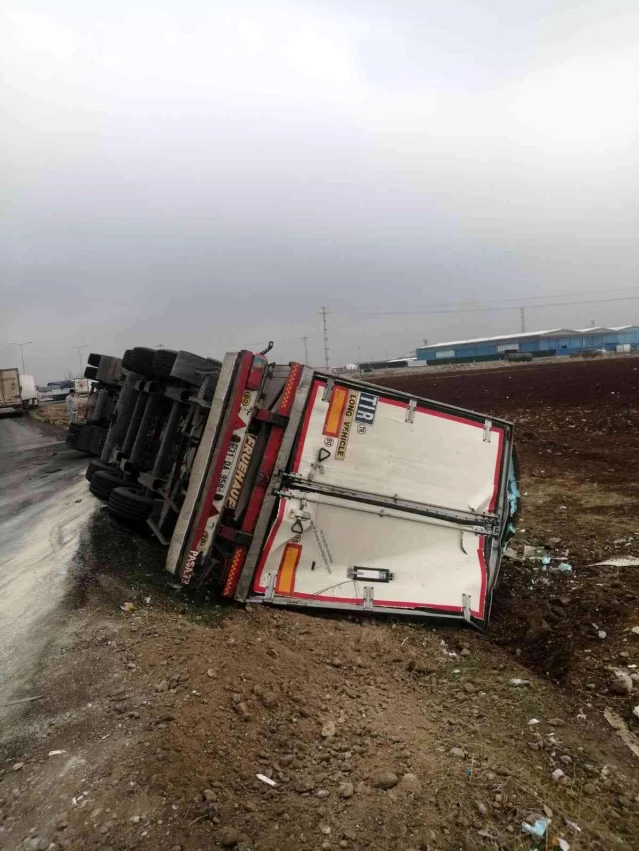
x=589 y=789
x=601 y=633
x=304 y=784
x=210 y=672
x=547 y=811
x=229 y=837
x=163 y=686
x=61 y=824
x=131 y=666
x=209 y=795
x=469 y=688
x=328 y=729
x=555 y=722
x=243 y=711
x=385 y=780
x=322 y=794
x=270 y=699
x=459 y=753
x=325 y=829
x=481 y=807
x=465 y=652
x=411 y=784
x=286 y=760
x=621 y=683
x=135 y=819
x=346 y=790
x=17 y=766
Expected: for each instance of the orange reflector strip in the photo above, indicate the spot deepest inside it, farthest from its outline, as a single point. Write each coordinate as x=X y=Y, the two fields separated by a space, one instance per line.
x=286 y=573
x=231 y=579
x=336 y=407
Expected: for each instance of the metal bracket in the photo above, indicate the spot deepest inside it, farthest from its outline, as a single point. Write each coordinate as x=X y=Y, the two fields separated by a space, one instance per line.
x=370 y=574
x=368 y=598
x=235 y=535
x=410 y=411
x=328 y=390
x=269 y=593
x=466 y=607
x=488 y=425
x=264 y=416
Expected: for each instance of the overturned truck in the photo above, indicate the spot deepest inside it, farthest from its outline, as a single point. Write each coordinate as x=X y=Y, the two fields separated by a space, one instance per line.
x=286 y=485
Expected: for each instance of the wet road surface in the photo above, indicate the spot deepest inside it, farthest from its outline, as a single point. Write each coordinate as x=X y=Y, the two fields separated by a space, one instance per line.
x=44 y=506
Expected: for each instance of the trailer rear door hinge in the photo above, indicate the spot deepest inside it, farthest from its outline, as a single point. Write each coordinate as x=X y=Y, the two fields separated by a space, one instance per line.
x=368 y=598
x=235 y=535
x=263 y=415
x=410 y=411
x=488 y=426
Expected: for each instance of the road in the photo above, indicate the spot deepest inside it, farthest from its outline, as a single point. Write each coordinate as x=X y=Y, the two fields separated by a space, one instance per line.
x=44 y=503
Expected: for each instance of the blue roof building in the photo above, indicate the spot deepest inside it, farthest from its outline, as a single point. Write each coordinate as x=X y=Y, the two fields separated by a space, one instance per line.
x=558 y=341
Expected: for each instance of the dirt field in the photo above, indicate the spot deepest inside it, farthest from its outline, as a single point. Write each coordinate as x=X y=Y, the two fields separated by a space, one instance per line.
x=377 y=735
x=55 y=413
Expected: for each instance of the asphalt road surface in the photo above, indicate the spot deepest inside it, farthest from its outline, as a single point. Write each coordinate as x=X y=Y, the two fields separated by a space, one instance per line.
x=44 y=504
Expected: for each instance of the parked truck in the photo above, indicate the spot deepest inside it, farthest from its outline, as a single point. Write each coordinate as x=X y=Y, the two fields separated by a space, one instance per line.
x=285 y=485
x=10 y=394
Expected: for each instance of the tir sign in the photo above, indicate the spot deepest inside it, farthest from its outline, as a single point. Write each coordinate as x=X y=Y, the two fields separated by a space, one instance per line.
x=366 y=408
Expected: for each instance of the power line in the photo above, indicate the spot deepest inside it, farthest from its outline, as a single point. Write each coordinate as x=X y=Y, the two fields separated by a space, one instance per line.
x=491 y=309
x=305 y=341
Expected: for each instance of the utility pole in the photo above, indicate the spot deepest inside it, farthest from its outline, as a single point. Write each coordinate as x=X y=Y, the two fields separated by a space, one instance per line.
x=305 y=341
x=22 y=345
x=79 y=348
x=522 y=311
x=324 y=311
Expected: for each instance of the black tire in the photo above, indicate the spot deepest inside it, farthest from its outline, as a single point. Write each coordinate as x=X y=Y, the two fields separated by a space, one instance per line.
x=94 y=466
x=94 y=359
x=128 y=504
x=163 y=362
x=103 y=482
x=139 y=360
x=91 y=372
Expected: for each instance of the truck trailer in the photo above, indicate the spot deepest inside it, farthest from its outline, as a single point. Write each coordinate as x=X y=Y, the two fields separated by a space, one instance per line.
x=10 y=393
x=286 y=485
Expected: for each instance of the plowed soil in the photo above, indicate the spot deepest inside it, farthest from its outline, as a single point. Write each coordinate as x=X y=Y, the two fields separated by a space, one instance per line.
x=154 y=724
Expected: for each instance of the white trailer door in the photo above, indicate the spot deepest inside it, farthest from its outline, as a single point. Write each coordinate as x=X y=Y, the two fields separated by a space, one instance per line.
x=358 y=555
x=387 y=446
x=388 y=503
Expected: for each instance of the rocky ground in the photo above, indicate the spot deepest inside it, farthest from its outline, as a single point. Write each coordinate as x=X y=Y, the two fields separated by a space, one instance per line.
x=176 y=724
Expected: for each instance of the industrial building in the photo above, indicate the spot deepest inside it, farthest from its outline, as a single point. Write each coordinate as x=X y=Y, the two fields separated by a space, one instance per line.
x=539 y=344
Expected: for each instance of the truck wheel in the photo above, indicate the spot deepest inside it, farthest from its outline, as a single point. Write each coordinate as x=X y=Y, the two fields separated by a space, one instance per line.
x=139 y=359
x=94 y=359
x=91 y=372
x=103 y=482
x=128 y=504
x=94 y=466
x=163 y=362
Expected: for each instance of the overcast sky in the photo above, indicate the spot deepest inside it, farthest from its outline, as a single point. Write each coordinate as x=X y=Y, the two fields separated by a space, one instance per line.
x=207 y=175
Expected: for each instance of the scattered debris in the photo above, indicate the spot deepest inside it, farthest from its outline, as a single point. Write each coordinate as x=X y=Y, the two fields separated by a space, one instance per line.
x=24 y=700
x=537 y=828
x=617 y=562
x=266 y=780
x=517 y=681
x=128 y=607
x=621 y=728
